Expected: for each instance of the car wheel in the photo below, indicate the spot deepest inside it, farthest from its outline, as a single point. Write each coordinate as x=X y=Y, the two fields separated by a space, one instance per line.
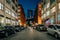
x=56 y=35
x=6 y=34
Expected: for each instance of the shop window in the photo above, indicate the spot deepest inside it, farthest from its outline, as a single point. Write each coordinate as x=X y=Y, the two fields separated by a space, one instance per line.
x=7 y=21
x=52 y=20
x=59 y=5
x=58 y=16
x=1 y=6
x=53 y=9
x=48 y=5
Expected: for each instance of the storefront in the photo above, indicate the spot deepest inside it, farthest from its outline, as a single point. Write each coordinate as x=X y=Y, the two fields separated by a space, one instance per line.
x=8 y=21
x=1 y=20
x=52 y=20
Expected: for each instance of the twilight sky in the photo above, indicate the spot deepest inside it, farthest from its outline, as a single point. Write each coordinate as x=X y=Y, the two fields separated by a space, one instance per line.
x=28 y=4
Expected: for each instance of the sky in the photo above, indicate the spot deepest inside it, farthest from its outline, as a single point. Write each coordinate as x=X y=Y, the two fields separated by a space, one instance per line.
x=28 y=4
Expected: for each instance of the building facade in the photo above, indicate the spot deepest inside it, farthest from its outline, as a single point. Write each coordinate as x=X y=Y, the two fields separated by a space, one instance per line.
x=37 y=15
x=21 y=15
x=50 y=13
x=8 y=12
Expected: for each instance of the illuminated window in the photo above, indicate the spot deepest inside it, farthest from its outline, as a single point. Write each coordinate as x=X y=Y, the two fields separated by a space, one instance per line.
x=1 y=6
x=59 y=5
x=13 y=14
x=52 y=20
x=53 y=9
x=42 y=11
x=7 y=20
x=19 y=10
x=48 y=12
x=44 y=15
x=48 y=5
x=44 y=8
x=7 y=11
x=58 y=16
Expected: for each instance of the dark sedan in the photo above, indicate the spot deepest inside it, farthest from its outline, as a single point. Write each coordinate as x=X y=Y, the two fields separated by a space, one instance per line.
x=6 y=31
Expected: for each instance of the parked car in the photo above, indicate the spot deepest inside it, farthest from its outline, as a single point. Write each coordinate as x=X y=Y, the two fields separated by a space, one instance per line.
x=17 y=28
x=54 y=30
x=41 y=28
x=2 y=31
x=6 y=31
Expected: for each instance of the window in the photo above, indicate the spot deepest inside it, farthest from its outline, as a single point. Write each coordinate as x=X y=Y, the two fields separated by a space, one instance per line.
x=52 y=1
x=52 y=20
x=13 y=15
x=7 y=11
x=7 y=21
x=48 y=5
x=44 y=8
x=59 y=5
x=42 y=11
x=44 y=15
x=52 y=26
x=8 y=2
x=48 y=12
x=13 y=7
x=1 y=6
x=58 y=16
x=53 y=9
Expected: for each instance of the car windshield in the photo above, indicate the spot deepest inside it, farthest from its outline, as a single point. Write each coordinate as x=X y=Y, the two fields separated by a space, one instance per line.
x=17 y=26
x=58 y=26
x=41 y=25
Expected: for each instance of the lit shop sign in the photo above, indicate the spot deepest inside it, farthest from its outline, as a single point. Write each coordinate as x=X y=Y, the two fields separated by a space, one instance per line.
x=53 y=9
